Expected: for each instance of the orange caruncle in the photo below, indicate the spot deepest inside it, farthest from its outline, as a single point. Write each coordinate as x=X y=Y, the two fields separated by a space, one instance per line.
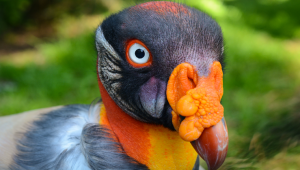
x=195 y=98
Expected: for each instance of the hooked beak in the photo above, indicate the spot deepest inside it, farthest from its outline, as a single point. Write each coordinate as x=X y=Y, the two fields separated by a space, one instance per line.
x=213 y=144
x=197 y=112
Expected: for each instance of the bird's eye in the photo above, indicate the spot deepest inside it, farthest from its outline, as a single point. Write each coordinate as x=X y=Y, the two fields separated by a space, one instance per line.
x=137 y=54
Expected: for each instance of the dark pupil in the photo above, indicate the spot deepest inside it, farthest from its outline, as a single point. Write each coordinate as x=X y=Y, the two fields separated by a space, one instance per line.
x=139 y=53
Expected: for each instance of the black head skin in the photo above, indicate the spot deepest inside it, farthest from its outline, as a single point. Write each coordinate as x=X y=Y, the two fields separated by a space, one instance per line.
x=174 y=34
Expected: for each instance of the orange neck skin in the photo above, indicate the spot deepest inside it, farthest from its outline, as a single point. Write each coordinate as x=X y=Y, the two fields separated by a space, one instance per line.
x=152 y=145
x=130 y=133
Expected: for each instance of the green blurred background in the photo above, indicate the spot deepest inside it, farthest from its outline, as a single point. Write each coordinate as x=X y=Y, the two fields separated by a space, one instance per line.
x=48 y=57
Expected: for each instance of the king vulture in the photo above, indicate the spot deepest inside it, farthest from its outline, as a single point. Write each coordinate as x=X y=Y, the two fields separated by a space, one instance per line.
x=159 y=70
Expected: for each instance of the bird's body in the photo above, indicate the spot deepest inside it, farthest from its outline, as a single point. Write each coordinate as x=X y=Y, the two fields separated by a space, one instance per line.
x=159 y=73
x=46 y=135
x=61 y=137
x=15 y=124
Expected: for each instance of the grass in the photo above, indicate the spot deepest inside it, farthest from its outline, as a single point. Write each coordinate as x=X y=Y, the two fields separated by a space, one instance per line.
x=261 y=86
x=68 y=76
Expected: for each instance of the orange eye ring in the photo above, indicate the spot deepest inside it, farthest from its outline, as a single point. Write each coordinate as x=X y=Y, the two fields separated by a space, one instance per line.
x=137 y=64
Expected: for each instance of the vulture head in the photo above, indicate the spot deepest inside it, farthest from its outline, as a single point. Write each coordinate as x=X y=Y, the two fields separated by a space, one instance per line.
x=161 y=63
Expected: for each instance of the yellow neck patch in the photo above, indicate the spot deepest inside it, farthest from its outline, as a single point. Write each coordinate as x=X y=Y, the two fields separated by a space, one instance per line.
x=168 y=150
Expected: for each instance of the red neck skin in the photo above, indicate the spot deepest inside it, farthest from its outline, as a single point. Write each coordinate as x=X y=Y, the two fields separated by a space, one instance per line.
x=130 y=133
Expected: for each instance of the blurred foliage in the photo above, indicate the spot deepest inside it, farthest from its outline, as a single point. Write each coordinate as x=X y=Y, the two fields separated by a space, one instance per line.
x=20 y=14
x=277 y=17
x=68 y=77
x=261 y=80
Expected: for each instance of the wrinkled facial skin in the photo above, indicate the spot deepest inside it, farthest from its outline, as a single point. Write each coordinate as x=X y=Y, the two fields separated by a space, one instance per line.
x=174 y=35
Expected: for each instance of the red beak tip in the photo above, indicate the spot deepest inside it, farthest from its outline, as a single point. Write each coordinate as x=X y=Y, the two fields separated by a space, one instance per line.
x=212 y=145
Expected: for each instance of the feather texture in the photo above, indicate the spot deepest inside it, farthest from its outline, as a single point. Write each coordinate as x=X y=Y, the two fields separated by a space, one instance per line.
x=69 y=138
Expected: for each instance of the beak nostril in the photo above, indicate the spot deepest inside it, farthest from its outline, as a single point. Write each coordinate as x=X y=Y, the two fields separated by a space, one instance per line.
x=193 y=82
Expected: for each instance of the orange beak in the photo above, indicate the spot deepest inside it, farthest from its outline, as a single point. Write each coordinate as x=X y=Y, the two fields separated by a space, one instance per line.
x=197 y=112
